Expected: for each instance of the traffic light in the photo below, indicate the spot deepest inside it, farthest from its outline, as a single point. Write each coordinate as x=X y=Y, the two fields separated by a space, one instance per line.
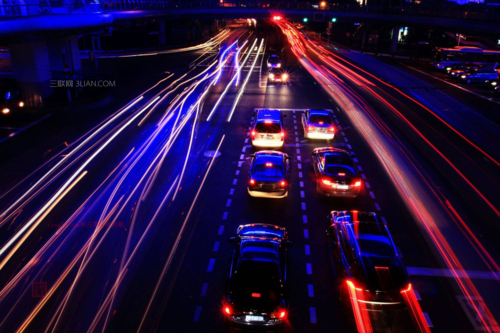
x=305 y=19
x=334 y=19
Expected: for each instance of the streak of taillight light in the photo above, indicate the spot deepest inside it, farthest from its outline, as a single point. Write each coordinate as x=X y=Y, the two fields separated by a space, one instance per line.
x=417 y=314
x=361 y=315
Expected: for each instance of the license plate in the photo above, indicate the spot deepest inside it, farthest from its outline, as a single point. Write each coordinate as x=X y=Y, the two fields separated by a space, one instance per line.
x=342 y=187
x=269 y=137
x=254 y=318
x=267 y=187
x=279 y=80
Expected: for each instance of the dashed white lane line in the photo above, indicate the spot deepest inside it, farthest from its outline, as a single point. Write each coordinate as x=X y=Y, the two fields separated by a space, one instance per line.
x=235 y=181
x=308 y=250
x=294 y=121
x=363 y=176
x=197 y=314
x=295 y=127
x=296 y=133
x=383 y=219
x=345 y=139
x=211 y=264
x=297 y=139
x=228 y=203
x=246 y=140
x=300 y=174
x=367 y=185
x=309 y=269
x=231 y=192
x=302 y=194
x=242 y=156
x=310 y=290
x=303 y=204
x=372 y=195
x=337 y=121
x=360 y=168
x=312 y=314
x=298 y=151
x=349 y=146
x=428 y=319
x=304 y=218
x=237 y=172
x=299 y=158
x=306 y=234
x=204 y=289
x=216 y=247
x=417 y=295
x=224 y=216
x=355 y=160
x=299 y=165
x=221 y=230
x=377 y=206
x=240 y=163
x=301 y=184
x=343 y=133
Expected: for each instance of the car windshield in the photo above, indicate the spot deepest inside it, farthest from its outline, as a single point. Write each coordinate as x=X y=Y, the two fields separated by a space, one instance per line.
x=320 y=119
x=268 y=170
x=268 y=128
x=260 y=278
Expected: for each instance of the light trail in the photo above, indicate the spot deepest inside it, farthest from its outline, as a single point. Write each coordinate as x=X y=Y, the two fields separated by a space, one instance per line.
x=242 y=89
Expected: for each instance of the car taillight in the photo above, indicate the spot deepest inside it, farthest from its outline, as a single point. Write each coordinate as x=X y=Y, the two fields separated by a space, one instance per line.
x=283 y=183
x=252 y=182
x=228 y=310
x=326 y=182
x=331 y=129
x=282 y=135
x=357 y=183
x=310 y=128
x=280 y=314
x=253 y=133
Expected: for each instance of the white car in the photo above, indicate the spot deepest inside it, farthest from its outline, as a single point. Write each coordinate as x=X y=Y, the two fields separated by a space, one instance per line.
x=318 y=124
x=268 y=129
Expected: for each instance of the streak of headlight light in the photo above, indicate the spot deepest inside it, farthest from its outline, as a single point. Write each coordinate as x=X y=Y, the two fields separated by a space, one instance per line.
x=412 y=198
x=40 y=219
x=229 y=85
x=70 y=154
x=237 y=63
x=122 y=272
x=179 y=236
x=222 y=62
x=242 y=89
x=41 y=211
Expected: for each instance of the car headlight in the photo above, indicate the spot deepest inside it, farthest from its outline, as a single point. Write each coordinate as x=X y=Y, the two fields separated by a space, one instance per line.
x=285 y=76
x=279 y=65
x=494 y=83
x=448 y=69
x=271 y=76
x=21 y=104
x=5 y=110
x=269 y=64
x=463 y=76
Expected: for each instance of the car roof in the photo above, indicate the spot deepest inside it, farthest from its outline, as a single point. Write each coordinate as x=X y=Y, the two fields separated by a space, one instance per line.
x=319 y=112
x=259 y=249
x=261 y=230
x=325 y=150
x=269 y=153
x=266 y=114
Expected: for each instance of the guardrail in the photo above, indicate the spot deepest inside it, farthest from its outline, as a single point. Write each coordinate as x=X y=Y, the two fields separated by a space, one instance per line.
x=17 y=8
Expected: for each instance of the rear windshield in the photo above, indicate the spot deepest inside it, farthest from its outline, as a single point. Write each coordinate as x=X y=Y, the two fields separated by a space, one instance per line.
x=319 y=119
x=274 y=171
x=334 y=170
x=268 y=128
x=257 y=277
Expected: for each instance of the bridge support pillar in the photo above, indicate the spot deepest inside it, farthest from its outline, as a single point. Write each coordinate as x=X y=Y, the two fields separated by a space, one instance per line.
x=395 y=38
x=37 y=65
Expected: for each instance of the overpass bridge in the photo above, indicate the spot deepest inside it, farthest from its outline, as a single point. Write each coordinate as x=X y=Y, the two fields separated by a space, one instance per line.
x=38 y=31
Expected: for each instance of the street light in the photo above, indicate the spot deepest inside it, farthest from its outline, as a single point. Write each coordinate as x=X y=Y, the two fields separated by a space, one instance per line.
x=305 y=19
x=334 y=19
x=323 y=4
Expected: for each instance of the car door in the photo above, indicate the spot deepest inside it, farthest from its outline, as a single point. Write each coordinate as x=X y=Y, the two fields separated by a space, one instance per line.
x=288 y=167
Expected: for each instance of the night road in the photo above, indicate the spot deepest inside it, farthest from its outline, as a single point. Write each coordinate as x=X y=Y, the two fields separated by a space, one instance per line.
x=118 y=218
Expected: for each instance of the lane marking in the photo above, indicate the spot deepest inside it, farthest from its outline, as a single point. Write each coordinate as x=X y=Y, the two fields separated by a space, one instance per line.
x=342 y=133
x=300 y=174
x=211 y=264
x=299 y=158
x=367 y=184
x=309 y=269
x=345 y=139
x=360 y=168
x=372 y=195
x=363 y=176
x=349 y=146
x=296 y=139
x=298 y=151
x=204 y=289
x=231 y=192
x=417 y=295
x=302 y=194
x=303 y=204
x=296 y=133
x=221 y=230
x=377 y=206
x=304 y=218
x=246 y=140
x=240 y=163
x=216 y=247
x=428 y=319
x=355 y=160
x=308 y=250
x=197 y=314
x=462 y=274
x=235 y=181
x=306 y=234
x=310 y=290
x=224 y=216
x=237 y=172
x=228 y=203
x=312 y=313
x=301 y=184
x=242 y=156
x=299 y=165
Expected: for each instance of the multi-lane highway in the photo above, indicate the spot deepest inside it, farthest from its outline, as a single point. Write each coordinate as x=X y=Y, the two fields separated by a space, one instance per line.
x=127 y=227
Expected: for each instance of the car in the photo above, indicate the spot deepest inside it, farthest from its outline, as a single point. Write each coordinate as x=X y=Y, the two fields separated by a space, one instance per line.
x=481 y=75
x=269 y=175
x=318 y=124
x=256 y=292
x=368 y=265
x=458 y=69
x=268 y=129
x=10 y=96
x=278 y=75
x=273 y=61
x=335 y=172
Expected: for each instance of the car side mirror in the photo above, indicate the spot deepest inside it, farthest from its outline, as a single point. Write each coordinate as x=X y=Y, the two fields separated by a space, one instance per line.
x=232 y=240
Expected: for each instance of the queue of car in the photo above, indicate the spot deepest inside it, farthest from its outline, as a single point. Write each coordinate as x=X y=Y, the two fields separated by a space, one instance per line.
x=470 y=73
x=366 y=261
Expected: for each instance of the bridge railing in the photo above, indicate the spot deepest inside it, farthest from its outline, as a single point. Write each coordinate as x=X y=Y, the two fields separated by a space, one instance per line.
x=17 y=8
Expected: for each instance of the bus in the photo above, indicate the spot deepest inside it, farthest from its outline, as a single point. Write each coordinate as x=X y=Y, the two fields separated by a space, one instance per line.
x=447 y=57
